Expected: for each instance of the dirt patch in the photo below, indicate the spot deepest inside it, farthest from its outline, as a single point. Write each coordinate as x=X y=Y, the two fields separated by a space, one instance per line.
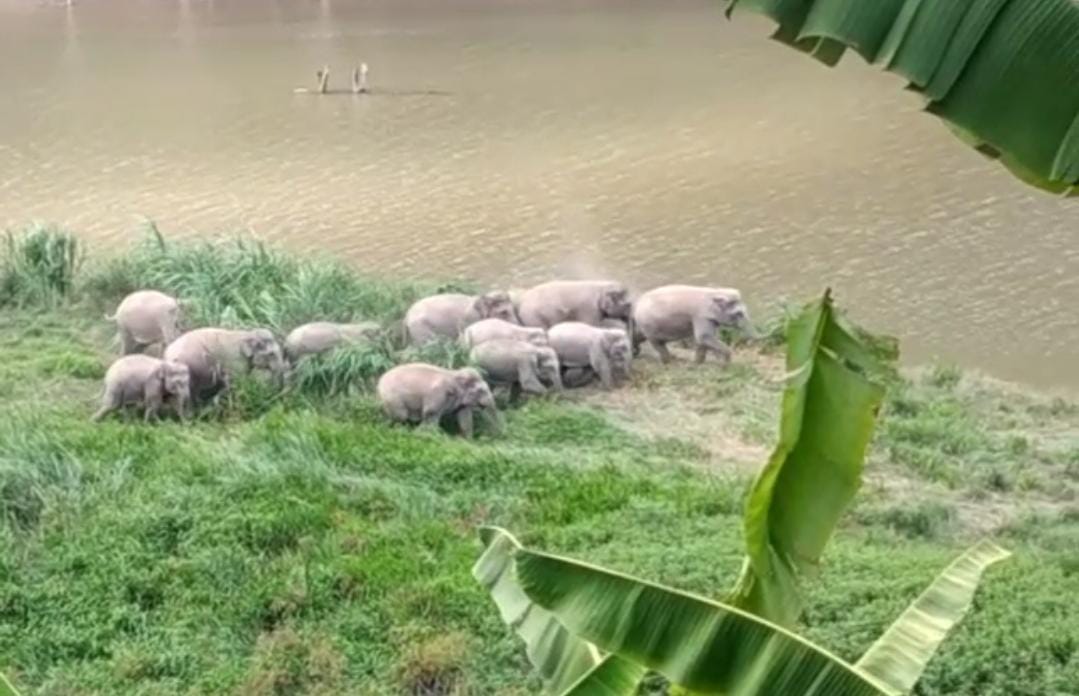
x=727 y=411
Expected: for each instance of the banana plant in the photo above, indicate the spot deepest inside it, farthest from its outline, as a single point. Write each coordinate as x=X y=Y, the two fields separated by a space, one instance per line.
x=6 y=689
x=1003 y=74
x=594 y=631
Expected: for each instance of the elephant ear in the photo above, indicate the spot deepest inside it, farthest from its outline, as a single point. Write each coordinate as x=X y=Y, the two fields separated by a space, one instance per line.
x=248 y=346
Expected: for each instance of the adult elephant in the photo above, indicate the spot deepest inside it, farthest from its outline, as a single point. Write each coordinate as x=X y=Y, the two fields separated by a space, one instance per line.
x=448 y=314
x=689 y=312
x=213 y=356
x=586 y=301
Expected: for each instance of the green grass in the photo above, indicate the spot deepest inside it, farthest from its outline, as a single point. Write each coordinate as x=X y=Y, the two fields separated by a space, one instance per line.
x=299 y=544
x=38 y=266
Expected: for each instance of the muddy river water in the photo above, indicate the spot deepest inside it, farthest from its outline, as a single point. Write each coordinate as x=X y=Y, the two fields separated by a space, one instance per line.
x=511 y=140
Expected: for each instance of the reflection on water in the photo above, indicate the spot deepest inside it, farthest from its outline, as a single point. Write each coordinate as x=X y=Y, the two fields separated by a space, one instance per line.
x=511 y=141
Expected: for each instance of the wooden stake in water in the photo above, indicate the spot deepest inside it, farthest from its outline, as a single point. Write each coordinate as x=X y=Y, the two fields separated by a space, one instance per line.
x=323 y=79
x=359 y=79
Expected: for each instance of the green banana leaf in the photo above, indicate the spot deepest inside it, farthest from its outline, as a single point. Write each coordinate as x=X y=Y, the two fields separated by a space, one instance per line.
x=559 y=656
x=1002 y=73
x=6 y=689
x=828 y=414
x=697 y=643
x=613 y=676
x=710 y=648
x=899 y=657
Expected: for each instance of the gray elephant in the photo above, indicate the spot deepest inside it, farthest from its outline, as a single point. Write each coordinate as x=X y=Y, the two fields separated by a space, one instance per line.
x=421 y=393
x=586 y=301
x=687 y=312
x=147 y=382
x=321 y=336
x=499 y=329
x=214 y=355
x=519 y=365
x=448 y=314
x=145 y=318
x=587 y=351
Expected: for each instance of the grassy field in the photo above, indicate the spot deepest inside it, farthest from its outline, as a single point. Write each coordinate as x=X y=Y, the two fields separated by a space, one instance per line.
x=300 y=545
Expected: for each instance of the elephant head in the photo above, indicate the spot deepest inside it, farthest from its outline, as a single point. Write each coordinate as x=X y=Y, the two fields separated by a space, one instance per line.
x=614 y=303
x=470 y=390
x=176 y=378
x=729 y=310
x=496 y=305
x=261 y=350
x=619 y=350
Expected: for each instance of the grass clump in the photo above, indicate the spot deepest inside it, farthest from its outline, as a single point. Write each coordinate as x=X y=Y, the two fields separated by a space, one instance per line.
x=38 y=266
x=342 y=371
x=243 y=283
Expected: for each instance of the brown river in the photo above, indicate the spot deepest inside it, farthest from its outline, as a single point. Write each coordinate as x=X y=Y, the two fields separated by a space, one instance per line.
x=508 y=141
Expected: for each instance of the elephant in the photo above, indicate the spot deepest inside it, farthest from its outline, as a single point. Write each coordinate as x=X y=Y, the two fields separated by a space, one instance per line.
x=145 y=318
x=499 y=329
x=214 y=355
x=586 y=351
x=321 y=336
x=520 y=365
x=586 y=301
x=682 y=312
x=148 y=382
x=422 y=393
x=448 y=314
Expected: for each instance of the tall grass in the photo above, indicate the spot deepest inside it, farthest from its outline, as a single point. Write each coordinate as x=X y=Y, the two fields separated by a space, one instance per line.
x=38 y=266
x=244 y=283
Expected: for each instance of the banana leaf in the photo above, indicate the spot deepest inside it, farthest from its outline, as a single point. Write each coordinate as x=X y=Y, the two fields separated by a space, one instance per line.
x=828 y=414
x=1003 y=73
x=6 y=689
x=899 y=657
x=710 y=648
x=702 y=645
x=613 y=676
x=559 y=657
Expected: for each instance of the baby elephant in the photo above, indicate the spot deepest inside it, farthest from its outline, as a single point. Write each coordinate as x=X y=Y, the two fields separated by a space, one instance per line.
x=499 y=329
x=447 y=315
x=587 y=301
x=321 y=336
x=214 y=355
x=520 y=365
x=681 y=312
x=148 y=382
x=586 y=351
x=145 y=318
x=421 y=393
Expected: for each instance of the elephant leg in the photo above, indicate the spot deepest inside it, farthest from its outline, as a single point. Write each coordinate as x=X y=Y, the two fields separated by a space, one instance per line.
x=575 y=377
x=109 y=403
x=704 y=333
x=526 y=377
x=128 y=344
x=661 y=349
x=515 y=393
x=464 y=422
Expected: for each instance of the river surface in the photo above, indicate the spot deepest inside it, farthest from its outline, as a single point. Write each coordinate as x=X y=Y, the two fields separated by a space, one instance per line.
x=510 y=141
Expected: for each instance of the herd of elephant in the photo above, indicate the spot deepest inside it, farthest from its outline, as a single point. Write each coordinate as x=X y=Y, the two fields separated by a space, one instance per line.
x=558 y=334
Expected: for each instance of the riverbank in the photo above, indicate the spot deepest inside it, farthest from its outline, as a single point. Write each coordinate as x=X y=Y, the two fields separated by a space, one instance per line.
x=302 y=545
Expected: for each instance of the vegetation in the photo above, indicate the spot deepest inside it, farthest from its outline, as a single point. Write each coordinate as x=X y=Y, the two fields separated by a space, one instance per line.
x=828 y=412
x=38 y=267
x=994 y=71
x=299 y=544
